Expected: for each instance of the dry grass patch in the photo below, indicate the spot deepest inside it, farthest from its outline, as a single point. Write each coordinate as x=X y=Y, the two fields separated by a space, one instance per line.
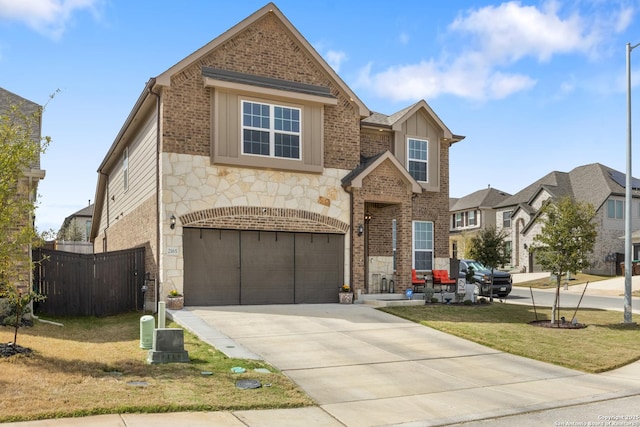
x=85 y=368
x=603 y=345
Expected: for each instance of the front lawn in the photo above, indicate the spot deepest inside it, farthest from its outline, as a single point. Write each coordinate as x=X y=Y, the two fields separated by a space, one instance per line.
x=96 y=366
x=603 y=345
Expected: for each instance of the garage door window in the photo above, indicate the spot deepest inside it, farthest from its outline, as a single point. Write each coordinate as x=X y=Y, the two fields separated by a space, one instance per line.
x=423 y=245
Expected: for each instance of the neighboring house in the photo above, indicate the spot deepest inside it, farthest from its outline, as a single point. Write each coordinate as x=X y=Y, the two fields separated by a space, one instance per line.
x=599 y=185
x=75 y=231
x=252 y=174
x=28 y=185
x=469 y=215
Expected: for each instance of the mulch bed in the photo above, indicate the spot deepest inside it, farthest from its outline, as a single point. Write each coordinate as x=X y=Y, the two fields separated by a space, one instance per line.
x=8 y=350
x=557 y=325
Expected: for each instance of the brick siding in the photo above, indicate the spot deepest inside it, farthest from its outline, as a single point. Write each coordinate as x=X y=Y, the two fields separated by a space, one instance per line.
x=264 y=49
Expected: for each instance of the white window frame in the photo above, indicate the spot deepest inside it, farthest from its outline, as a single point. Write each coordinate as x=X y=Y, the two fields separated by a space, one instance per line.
x=272 y=131
x=458 y=220
x=422 y=245
x=504 y=221
x=416 y=160
x=472 y=218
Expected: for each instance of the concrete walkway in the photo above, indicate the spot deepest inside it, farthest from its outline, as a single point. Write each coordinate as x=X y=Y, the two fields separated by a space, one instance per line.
x=364 y=367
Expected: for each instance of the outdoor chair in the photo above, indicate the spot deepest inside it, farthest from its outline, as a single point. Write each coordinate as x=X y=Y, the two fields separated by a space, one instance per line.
x=441 y=278
x=417 y=282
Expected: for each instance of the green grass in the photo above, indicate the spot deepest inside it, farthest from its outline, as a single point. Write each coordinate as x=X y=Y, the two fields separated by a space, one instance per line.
x=84 y=368
x=603 y=345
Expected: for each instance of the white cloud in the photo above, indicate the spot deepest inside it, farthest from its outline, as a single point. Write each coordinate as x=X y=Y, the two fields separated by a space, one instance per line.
x=404 y=38
x=428 y=80
x=49 y=17
x=494 y=39
x=509 y=32
x=335 y=58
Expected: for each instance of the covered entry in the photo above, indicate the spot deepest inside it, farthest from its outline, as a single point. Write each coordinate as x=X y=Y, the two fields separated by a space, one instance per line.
x=231 y=267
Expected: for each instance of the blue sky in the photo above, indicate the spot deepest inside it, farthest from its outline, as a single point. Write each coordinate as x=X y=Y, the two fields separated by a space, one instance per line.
x=535 y=86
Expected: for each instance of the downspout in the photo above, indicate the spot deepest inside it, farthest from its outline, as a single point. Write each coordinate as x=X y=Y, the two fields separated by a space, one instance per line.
x=351 y=241
x=158 y=213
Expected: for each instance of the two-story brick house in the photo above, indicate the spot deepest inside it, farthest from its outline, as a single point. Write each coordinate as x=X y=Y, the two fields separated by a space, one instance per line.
x=253 y=175
x=599 y=185
x=27 y=185
x=469 y=215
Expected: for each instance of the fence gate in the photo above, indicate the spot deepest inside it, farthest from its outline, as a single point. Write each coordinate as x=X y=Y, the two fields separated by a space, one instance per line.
x=88 y=284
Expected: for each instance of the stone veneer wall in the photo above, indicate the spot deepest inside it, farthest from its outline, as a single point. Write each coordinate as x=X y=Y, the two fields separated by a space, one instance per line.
x=195 y=191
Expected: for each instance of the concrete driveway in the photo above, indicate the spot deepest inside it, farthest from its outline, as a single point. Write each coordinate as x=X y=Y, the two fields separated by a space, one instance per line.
x=364 y=367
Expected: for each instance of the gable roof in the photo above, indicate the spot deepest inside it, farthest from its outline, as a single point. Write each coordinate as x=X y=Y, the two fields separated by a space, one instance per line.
x=394 y=121
x=592 y=183
x=164 y=79
x=368 y=165
x=486 y=198
x=7 y=98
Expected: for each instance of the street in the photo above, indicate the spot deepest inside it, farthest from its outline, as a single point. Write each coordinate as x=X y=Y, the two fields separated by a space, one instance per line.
x=570 y=299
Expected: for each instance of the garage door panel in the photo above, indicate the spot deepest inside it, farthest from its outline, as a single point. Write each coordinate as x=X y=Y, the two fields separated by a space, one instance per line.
x=267 y=267
x=319 y=269
x=211 y=267
x=230 y=267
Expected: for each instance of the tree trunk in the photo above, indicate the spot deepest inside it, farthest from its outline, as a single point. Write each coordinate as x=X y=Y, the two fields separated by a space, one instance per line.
x=555 y=310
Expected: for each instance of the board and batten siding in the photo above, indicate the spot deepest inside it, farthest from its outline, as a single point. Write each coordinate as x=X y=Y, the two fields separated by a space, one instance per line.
x=226 y=132
x=421 y=127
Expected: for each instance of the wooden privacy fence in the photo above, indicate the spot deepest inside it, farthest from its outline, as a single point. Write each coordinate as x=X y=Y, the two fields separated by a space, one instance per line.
x=88 y=284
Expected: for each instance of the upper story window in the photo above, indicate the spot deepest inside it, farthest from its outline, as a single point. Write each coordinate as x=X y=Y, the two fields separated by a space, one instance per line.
x=464 y=219
x=506 y=219
x=417 y=150
x=458 y=220
x=615 y=209
x=472 y=217
x=270 y=130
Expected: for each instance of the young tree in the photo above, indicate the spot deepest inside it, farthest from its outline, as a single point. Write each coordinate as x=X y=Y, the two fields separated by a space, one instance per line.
x=489 y=248
x=20 y=149
x=565 y=241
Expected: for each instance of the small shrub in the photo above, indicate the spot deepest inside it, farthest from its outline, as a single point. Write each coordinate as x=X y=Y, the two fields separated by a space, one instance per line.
x=467 y=302
x=434 y=299
x=483 y=301
x=428 y=294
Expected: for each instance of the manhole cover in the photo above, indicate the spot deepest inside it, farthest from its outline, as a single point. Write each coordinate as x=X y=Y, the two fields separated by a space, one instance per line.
x=247 y=384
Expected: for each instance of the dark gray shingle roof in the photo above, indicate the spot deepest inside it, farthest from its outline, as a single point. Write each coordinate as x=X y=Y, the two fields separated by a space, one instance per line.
x=592 y=183
x=486 y=198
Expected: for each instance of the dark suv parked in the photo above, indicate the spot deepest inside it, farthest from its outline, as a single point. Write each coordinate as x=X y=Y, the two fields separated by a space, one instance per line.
x=482 y=277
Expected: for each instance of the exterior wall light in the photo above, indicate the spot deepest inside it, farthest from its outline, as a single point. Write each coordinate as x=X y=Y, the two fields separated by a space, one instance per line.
x=173 y=221
x=360 y=229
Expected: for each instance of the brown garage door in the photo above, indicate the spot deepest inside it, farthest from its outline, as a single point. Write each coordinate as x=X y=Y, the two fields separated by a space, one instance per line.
x=229 y=267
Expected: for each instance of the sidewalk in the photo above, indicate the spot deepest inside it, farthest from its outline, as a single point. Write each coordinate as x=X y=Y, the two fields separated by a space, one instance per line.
x=607 y=287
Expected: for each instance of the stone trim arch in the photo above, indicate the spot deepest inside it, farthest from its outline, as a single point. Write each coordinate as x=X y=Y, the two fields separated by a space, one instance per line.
x=263 y=218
